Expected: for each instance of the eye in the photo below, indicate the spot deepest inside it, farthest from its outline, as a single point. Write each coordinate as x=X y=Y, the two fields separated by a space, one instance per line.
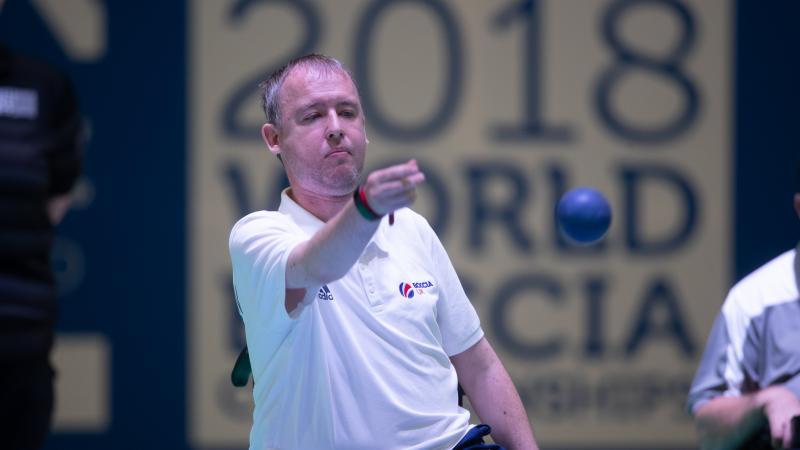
x=347 y=113
x=310 y=117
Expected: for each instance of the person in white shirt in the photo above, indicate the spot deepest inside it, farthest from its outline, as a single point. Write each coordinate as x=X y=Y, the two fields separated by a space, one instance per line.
x=749 y=376
x=357 y=326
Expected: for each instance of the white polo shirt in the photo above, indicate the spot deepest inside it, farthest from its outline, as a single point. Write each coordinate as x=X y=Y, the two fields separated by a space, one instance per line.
x=755 y=340
x=363 y=363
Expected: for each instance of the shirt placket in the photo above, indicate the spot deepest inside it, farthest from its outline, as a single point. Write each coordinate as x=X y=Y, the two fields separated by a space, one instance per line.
x=367 y=268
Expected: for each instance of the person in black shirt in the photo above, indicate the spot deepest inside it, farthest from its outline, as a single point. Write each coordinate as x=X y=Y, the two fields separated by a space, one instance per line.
x=39 y=163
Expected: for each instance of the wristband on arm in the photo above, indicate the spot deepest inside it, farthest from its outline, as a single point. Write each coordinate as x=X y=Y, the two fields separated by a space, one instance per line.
x=360 y=199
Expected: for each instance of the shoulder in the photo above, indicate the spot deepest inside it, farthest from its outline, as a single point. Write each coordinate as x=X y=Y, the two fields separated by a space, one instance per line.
x=410 y=228
x=411 y=221
x=16 y=67
x=773 y=283
x=258 y=216
x=257 y=223
x=23 y=79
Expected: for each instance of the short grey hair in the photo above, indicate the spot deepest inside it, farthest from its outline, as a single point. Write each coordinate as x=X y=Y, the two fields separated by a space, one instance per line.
x=271 y=87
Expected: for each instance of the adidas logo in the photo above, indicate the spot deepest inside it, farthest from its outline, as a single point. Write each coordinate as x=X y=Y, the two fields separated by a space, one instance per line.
x=324 y=293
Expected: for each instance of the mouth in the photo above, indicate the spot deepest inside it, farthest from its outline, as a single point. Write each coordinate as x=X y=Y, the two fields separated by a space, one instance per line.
x=338 y=152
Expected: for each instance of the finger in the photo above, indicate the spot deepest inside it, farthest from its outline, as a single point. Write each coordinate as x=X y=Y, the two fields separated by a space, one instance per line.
x=405 y=184
x=396 y=172
x=776 y=431
x=415 y=179
x=404 y=196
x=409 y=194
x=412 y=181
x=787 y=436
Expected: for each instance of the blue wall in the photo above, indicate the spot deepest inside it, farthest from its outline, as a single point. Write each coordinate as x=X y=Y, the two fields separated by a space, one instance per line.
x=133 y=235
x=766 y=137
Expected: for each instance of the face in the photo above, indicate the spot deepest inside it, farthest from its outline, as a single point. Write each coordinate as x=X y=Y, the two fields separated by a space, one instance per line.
x=321 y=138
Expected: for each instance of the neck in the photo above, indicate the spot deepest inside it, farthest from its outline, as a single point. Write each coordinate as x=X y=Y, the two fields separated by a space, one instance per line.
x=323 y=207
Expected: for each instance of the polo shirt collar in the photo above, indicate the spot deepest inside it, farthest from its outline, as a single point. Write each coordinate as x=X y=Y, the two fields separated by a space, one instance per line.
x=310 y=224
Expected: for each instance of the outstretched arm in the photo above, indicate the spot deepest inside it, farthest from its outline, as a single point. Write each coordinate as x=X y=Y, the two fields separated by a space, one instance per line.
x=494 y=397
x=332 y=251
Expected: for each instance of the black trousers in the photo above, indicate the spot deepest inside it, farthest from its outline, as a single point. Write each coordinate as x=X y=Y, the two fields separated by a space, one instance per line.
x=26 y=402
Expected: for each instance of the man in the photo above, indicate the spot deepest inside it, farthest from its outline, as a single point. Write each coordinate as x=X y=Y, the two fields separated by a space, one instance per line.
x=750 y=372
x=39 y=163
x=357 y=325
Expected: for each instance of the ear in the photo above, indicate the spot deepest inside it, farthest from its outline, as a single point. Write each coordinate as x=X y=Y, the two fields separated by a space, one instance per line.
x=797 y=204
x=365 y=129
x=269 y=133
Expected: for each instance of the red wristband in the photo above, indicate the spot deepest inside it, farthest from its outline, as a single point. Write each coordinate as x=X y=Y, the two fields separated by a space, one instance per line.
x=362 y=194
x=360 y=200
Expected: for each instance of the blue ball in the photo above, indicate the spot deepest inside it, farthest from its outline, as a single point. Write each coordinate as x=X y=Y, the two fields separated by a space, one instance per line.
x=583 y=215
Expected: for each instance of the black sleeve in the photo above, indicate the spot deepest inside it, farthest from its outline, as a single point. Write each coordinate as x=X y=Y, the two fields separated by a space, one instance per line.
x=65 y=143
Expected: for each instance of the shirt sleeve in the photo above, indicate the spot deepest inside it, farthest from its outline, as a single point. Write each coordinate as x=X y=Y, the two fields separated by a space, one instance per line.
x=259 y=246
x=458 y=321
x=793 y=384
x=710 y=381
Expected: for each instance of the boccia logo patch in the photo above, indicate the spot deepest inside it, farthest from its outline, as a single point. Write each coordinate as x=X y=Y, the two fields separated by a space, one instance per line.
x=406 y=290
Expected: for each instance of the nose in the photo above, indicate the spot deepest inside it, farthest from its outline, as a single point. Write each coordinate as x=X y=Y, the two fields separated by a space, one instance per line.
x=334 y=132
